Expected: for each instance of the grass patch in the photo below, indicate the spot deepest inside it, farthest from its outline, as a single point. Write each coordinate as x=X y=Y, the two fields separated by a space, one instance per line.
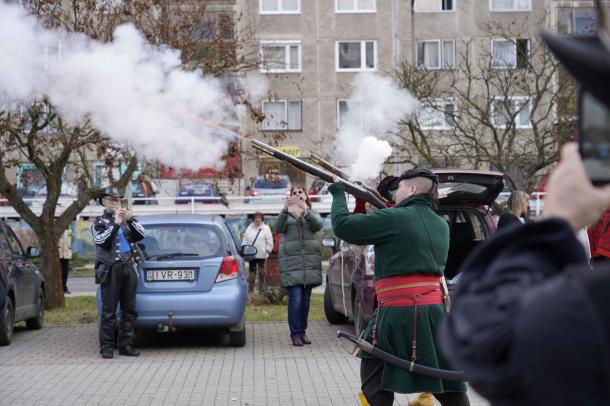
x=81 y=273
x=81 y=310
x=78 y=310
x=262 y=313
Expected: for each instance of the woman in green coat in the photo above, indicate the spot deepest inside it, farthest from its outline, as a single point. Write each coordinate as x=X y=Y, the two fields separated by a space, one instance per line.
x=300 y=260
x=411 y=242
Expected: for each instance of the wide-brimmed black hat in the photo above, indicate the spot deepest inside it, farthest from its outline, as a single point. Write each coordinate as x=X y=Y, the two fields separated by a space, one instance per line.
x=110 y=191
x=419 y=173
x=586 y=58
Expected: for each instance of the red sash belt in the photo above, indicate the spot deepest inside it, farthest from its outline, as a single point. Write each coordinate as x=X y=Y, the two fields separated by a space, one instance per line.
x=411 y=290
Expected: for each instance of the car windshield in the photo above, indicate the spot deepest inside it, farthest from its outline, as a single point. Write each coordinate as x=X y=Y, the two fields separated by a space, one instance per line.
x=200 y=189
x=262 y=183
x=182 y=241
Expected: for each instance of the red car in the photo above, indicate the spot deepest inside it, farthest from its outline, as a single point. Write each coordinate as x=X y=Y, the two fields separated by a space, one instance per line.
x=464 y=199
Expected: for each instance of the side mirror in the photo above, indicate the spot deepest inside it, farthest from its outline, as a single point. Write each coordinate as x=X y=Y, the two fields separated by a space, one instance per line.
x=33 y=252
x=329 y=242
x=248 y=250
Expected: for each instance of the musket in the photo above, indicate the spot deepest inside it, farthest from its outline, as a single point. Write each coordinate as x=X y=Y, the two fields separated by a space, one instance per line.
x=350 y=187
x=403 y=363
x=333 y=169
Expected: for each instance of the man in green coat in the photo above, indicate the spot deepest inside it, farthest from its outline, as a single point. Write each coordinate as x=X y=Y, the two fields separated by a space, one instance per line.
x=411 y=245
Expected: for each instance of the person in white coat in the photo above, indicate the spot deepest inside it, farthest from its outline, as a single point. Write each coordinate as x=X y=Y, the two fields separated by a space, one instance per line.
x=259 y=235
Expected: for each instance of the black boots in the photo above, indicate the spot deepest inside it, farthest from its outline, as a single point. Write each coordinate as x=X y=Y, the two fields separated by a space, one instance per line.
x=128 y=351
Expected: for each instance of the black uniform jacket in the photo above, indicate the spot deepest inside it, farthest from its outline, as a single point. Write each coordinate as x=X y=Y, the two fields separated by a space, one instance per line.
x=106 y=237
x=530 y=322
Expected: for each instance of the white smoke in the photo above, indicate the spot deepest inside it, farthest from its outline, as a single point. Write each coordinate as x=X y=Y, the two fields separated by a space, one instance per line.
x=132 y=91
x=377 y=108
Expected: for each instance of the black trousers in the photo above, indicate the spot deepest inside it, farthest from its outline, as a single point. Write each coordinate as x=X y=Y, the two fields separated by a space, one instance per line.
x=371 y=371
x=121 y=289
x=257 y=266
x=65 y=268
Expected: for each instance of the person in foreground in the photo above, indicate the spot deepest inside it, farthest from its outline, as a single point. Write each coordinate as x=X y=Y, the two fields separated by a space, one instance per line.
x=411 y=246
x=114 y=233
x=530 y=322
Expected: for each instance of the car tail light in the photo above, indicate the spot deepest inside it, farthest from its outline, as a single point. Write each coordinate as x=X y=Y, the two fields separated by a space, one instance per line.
x=228 y=270
x=369 y=261
x=253 y=192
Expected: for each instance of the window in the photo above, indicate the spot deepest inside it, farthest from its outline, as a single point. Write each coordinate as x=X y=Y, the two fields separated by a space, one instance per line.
x=282 y=115
x=434 y=5
x=510 y=53
x=436 y=54
x=13 y=241
x=281 y=56
x=503 y=111
x=280 y=6
x=577 y=21
x=355 y=6
x=438 y=115
x=354 y=56
x=350 y=113
x=510 y=5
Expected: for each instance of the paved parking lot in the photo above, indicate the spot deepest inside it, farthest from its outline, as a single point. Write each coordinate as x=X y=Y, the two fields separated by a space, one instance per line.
x=61 y=366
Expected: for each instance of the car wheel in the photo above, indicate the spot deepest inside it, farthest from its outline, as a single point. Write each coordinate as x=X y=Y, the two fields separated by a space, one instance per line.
x=7 y=321
x=35 y=323
x=359 y=322
x=237 y=338
x=333 y=316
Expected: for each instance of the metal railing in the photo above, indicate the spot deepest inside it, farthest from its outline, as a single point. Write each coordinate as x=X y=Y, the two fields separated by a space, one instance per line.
x=237 y=205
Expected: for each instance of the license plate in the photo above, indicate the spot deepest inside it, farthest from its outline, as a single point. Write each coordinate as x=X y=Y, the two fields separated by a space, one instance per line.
x=170 y=275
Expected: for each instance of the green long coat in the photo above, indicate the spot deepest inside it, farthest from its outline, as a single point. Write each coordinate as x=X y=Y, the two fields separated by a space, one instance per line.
x=409 y=239
x=299 y=255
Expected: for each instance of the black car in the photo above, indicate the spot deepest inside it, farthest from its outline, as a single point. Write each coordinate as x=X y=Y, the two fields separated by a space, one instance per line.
x=22 y=288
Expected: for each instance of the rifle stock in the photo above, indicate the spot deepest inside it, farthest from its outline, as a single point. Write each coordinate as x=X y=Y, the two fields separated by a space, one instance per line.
x=332 y=168
x=327 y=176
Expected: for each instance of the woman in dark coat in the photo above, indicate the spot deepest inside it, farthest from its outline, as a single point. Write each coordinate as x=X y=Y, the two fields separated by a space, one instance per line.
x=517 y=209
x=300 y=260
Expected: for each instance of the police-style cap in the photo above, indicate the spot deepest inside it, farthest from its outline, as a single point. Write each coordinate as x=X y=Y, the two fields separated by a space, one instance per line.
x=419 y=173
x=586 y=58
x=110 y=192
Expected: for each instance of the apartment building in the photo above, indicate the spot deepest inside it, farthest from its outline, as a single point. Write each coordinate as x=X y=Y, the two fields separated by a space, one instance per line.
x=311 y=51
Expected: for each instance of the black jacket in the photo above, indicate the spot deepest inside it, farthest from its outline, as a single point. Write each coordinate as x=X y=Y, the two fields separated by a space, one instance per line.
x=530 y=322
x=106 y=237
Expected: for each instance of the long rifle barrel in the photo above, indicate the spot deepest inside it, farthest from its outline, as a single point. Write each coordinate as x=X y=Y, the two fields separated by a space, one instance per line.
x=350 y=187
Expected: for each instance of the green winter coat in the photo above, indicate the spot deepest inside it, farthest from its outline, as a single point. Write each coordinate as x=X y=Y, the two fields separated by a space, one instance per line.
x=299 y=255
x=409 y=239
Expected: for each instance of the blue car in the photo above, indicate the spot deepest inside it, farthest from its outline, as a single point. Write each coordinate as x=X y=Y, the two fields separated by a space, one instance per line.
x=191 y=276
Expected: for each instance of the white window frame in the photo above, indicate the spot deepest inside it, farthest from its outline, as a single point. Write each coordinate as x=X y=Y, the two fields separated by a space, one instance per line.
x=285 y=101
x=514 y=42
x=362 y=120
x=356 y=10
x=513 y=99
x=437 y=104
x=280 y=11
x=440 y=54
x=363 y=67
x=510 y=10
x=287 y=61
x=440 y=10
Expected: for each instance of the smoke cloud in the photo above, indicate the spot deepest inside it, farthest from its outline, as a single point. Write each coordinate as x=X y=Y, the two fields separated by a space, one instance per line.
x=134 y=92
x=373 y=113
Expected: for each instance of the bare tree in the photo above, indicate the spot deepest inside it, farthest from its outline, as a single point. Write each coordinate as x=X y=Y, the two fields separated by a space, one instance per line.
x=489 y=111
x=36 y=134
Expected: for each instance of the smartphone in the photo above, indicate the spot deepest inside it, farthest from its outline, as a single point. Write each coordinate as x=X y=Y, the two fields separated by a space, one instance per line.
x=594 y=137
x=125 y=204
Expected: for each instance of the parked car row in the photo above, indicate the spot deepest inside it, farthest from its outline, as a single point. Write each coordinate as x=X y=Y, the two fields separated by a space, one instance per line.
x=464 y=199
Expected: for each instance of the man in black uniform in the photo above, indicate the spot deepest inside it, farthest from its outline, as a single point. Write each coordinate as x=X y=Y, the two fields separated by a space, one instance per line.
x=115 y=233
x=530 y=322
